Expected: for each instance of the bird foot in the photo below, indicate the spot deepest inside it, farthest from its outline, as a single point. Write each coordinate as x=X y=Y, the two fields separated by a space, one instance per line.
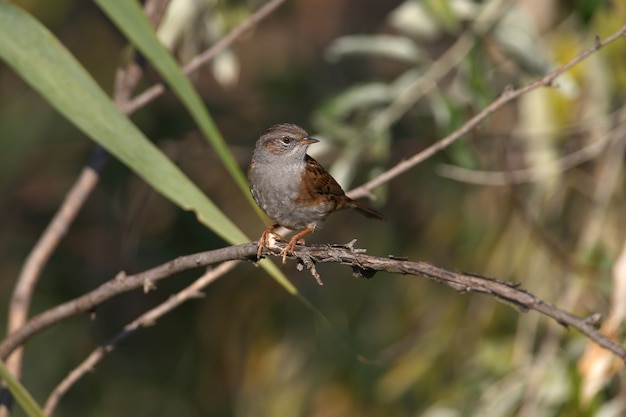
x=267 y=240
x=297 y=238
x=290 y=247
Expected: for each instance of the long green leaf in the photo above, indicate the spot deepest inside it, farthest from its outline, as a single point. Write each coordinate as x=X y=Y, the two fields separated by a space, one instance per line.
x=38 y=57
x=21 y=395
x=132 y=21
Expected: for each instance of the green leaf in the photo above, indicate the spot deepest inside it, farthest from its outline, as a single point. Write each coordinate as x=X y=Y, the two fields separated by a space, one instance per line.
x=360 y=96
x=398 y=48
x=21 y=395
x=132 y=21
x=38 y=57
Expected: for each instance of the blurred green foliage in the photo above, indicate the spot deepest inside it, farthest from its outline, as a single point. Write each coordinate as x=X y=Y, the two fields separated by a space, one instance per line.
x=359 y=75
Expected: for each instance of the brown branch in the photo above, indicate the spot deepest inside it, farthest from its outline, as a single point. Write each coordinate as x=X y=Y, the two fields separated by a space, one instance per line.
x=425 y=83
x=440 y=68
x=507 y=96
x=529 y=175
x=120 y=284
x=362 y=265
x=155 y=10
x=25 y=286
x=509 y=293
x=156 y=90
x=145 y=320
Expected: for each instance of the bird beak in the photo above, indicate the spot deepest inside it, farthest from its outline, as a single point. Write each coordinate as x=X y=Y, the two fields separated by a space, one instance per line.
x=307 y=141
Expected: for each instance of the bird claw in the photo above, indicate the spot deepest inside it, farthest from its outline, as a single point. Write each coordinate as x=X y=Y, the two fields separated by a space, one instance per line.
x=296 y=239
x=284 y=253
x=289 y=248
x=267 y=240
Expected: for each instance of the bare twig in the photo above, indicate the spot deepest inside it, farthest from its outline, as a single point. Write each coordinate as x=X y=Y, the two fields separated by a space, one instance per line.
x=362 y=266
x=507 y=96
x=193 y=65
x=306 y=261
x=37 y=258
x=608 y=180
x=128 y=76
x=507 y=292
x=441 y=67
x=526 y=175
x=155 y=10
x=425 y=83
x=120 y=284
x=145 y=320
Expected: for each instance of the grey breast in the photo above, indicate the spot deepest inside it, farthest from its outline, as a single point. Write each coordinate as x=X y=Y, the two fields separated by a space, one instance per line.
x=275 y=188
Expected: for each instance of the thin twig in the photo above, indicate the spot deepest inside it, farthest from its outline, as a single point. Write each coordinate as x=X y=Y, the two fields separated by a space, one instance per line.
x=155 y=10
x=193 y=65
x=490 y=14
x=507 y=292
x=29 y=275
x=424 y=84
x=120 y=284
x=528 y=175
x=608 y=183
x=507 y=96
x=362 y=265
x=147 y=319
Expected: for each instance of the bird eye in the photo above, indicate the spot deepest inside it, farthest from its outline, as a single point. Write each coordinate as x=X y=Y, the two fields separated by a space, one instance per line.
x=286 y=140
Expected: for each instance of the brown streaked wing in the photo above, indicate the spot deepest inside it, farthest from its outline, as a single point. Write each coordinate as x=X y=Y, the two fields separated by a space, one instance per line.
x=319 y=182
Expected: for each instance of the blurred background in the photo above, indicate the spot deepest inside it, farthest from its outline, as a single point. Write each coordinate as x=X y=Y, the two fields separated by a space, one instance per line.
x=535 y=195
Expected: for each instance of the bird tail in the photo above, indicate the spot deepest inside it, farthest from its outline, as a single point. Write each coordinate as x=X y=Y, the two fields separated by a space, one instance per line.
x=366 y=210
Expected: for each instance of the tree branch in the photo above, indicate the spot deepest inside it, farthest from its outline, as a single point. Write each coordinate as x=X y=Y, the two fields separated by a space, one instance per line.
x=156 y=90
x=145 y=320
x=362 y=266
x=122 y=283
x=507 y=96
x=529 y=175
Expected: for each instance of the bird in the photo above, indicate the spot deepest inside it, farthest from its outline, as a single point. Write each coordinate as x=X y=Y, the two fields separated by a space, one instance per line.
x=292 y=188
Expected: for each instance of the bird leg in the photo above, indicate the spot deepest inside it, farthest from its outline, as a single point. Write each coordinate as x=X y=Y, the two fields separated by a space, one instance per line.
x=265 y=239
x=294 y=240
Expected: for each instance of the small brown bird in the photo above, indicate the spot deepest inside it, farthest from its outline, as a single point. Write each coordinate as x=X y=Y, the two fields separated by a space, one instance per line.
x=292 y=188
